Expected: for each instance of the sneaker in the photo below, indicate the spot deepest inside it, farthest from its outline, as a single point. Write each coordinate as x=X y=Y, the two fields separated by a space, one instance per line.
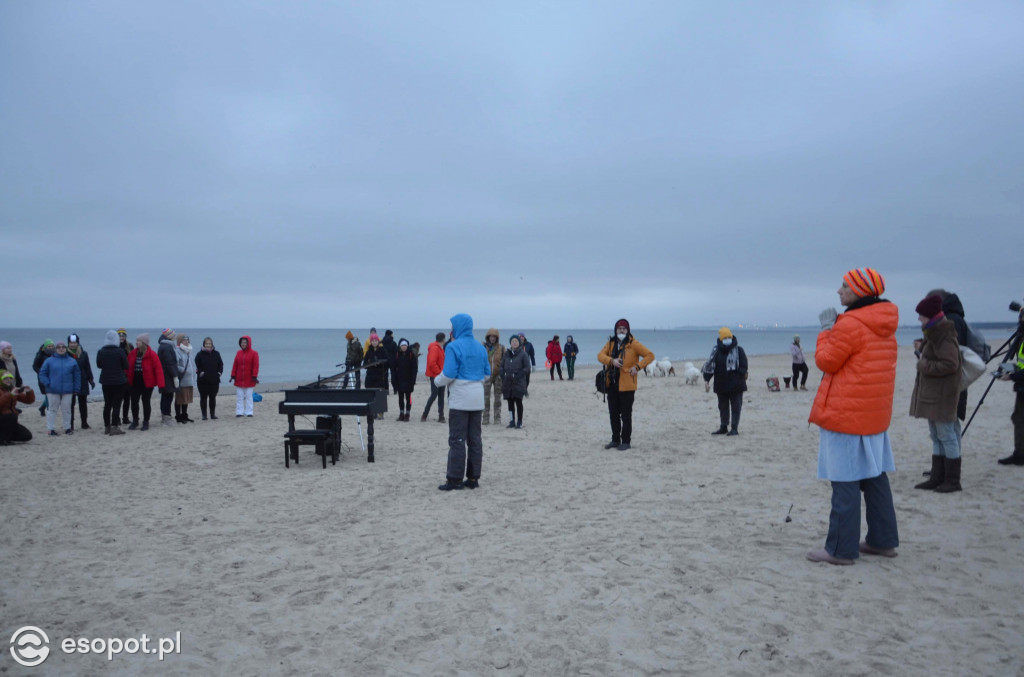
x=624 y=446
x=54 y=433
x=519 y=424
x=248 y=415
x=471 y=484
x=823 y=556
x=238 y=416
x=511 y=424
x=450 y=486
x=612 y=445
x=115 y=430
x=69 y=431
x=881 y=552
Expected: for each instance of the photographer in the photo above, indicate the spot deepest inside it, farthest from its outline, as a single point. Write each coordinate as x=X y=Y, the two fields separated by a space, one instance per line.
x=1017 y=376
x=10 y=429
x=623 y=356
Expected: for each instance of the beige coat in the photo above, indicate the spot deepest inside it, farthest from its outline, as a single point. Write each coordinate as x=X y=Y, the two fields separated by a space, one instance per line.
x=937 y=385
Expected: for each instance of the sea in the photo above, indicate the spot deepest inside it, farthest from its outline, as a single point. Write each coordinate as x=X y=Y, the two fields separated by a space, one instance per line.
x=304 y=355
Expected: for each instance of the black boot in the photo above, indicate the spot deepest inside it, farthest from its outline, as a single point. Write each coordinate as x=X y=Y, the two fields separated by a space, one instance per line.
x=952 y=482
x=721 y=431
x=1013 y=459
x=937 y=475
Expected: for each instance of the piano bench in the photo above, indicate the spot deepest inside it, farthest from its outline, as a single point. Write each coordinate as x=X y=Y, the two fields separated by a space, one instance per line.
x=322 y=439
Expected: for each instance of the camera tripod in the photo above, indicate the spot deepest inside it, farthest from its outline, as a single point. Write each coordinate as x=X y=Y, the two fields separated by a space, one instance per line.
x=1011 y=346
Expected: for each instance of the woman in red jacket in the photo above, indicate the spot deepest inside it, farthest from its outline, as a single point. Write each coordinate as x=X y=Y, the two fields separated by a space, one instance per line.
x=435 y=364
x=554 y=355
x=853 y=407
x=144 y=373
x=244 y=373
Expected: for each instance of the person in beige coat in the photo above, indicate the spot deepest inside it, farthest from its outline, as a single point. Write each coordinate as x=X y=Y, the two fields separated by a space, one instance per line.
x=936 y=393
x=495 y=351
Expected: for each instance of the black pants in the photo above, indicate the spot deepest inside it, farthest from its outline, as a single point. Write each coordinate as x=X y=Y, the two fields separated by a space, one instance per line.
x=558 y=366
x=208 y=394
x=126 y=401
x=404 y=401
x=1018 y=425
x=113 y=396
x=141 y=392
x=358 y=373
x=570 y=366
x=12 y=431
x=620 y=411
x=83 y=408
x=727 y=401
x=435 y=393
x=800 y=369
x=464 y=431
x=515 y=405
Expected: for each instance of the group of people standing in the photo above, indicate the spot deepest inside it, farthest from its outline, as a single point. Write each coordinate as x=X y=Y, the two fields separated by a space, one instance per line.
x=128 y=375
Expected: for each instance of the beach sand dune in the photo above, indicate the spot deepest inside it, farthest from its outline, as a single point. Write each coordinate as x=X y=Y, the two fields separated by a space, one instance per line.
x=672 y=558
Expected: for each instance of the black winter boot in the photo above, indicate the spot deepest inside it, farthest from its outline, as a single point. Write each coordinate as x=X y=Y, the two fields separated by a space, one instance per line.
x=952 y=482
x=937 y=476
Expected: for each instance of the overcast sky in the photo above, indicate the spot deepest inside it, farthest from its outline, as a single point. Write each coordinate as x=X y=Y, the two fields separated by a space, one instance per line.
x=557 y=164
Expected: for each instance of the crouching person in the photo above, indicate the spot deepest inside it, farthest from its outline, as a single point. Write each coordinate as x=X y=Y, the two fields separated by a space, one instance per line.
x=465 y=367
x=10 y=429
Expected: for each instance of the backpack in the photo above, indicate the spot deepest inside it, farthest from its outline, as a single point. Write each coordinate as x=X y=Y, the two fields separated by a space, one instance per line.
x=976 y=342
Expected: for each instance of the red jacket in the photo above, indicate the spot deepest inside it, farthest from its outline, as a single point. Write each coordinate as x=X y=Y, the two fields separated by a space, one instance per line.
x=152 y=370
x=245 y=370
x=858 y=356
x=435 y=359
x=554 y=352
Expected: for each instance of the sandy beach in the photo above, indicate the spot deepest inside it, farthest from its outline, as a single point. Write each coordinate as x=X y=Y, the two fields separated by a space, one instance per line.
x=673 y=558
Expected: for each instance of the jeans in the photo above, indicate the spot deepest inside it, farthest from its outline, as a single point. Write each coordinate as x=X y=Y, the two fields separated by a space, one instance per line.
x=620 y=412
x=464 y=430
x=843 y=538
x=438 y=394
x=58 y=402
x=945 y=438
x=570 y=366
x=727 y=401
x=112 y=398
x=166 y=399
x=800 y=369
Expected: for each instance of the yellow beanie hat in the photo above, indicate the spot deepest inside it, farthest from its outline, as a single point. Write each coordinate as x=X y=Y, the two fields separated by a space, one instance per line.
x=724 y=333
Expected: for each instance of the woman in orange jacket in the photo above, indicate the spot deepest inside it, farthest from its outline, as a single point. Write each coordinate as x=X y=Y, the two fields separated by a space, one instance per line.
x=853 y=407
x=623 y=356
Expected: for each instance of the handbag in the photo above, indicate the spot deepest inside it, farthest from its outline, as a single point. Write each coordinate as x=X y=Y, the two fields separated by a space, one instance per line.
x=971 y=367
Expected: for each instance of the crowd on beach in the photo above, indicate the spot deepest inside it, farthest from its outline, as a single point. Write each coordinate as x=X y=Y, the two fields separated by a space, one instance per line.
x=856 y=351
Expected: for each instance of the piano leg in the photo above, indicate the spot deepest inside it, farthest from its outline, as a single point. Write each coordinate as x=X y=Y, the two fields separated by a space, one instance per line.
x=369 y=437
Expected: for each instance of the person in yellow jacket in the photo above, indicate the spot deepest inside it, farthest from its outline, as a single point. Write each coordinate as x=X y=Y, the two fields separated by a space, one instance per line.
x=623 y=356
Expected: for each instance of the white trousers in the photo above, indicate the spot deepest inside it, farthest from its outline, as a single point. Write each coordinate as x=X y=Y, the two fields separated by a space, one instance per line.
x=243 y=401
x=61 y=402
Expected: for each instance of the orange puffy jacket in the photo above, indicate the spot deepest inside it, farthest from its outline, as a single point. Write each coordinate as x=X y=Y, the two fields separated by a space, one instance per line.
x=858 y=356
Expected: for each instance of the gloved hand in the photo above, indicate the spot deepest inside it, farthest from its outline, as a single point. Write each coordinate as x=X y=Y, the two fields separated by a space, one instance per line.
x=827 y=318
x=707 y=386
x=176 y=382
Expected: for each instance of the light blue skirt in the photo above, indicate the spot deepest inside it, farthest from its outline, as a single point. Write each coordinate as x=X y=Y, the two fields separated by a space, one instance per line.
x=849 y=458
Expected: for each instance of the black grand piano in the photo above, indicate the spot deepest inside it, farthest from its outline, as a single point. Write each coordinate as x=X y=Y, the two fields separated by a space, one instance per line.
x=329 y=399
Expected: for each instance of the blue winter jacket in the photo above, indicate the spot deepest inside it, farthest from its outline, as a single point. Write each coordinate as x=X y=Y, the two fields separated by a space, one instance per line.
x=61 y=375
x=465 y=367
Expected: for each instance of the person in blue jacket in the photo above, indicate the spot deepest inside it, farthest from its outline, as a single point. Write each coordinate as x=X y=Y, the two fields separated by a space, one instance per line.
x=465 y=367
x=62 y=379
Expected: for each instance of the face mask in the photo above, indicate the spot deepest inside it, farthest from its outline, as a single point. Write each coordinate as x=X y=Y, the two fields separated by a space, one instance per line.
x=621 y=336
x=727 y=342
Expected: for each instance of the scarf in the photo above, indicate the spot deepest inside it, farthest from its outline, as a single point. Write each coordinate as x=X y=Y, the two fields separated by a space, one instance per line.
x=732 y=359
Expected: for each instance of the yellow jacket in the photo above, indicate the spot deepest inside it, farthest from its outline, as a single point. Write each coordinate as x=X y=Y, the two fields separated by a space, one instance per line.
x=636 y=355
